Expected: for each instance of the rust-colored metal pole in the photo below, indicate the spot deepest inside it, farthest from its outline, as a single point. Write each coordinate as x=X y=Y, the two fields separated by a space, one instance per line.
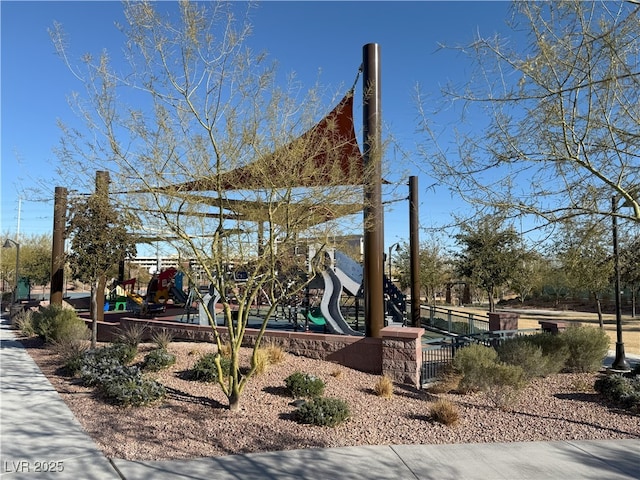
x=373 y=212
x=57 y=248
x=102 y=191
x=414 y=251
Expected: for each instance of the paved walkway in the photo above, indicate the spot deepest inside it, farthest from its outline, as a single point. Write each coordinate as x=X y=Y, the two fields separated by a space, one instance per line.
x=40 y=438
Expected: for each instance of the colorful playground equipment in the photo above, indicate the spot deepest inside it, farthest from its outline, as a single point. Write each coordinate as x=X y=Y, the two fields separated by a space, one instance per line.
x=345 y=274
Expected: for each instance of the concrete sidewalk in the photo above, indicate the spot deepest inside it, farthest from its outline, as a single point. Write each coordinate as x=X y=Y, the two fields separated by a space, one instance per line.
x=39 y=433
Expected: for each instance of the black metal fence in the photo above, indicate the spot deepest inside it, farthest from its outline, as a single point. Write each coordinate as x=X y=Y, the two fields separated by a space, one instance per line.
x=437 y=354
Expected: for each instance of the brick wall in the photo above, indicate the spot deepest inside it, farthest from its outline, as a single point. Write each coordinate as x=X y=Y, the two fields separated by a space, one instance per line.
x=397 y=354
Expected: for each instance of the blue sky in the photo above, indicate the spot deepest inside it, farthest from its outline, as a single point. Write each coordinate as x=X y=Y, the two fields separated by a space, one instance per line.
x=315 y=39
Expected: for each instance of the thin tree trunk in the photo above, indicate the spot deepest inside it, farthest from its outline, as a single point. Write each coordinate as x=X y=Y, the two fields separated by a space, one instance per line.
x=94 y=314
x=599 y=308
x=492 y=305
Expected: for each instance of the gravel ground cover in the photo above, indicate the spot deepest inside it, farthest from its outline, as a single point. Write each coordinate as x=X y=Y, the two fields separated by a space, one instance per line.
x=193 y=420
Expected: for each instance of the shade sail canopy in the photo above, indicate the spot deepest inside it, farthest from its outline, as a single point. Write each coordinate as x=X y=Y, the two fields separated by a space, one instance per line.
x=327 y=154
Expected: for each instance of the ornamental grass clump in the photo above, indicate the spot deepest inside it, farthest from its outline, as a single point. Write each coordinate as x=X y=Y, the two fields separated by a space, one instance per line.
x=384 y=387
x=304 y=385
x=162 y=338
x=444 y=412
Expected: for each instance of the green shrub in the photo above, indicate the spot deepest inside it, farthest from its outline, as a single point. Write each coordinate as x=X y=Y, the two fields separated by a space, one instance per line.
x=518 y=351
x=157 y=359
x=325 y=412
x=303 y=385
x=554 y=350
x=472 y=363
x=101 y=363
x=623 y=390
x=106 y=369
x=503 y=384
x=132 y=390
x=205 y=369
x=587 y=348
x=55 y=324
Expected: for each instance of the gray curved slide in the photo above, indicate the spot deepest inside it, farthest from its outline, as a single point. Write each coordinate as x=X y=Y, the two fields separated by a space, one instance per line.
x=330 y=305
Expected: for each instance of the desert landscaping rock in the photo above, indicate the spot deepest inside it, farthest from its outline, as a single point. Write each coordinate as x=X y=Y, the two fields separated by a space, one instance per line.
x=193 y=420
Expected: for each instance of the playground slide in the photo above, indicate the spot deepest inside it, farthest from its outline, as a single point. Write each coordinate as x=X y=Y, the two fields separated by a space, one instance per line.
x=210 y=302
x=349 y=272
x=178 y=295
x=330 y=305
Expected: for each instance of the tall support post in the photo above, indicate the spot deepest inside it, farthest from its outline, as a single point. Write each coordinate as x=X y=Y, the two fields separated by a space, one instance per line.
x=373 y=212
x=102 y=191
x=414 y=251
x=57 y=249
x=620 y=362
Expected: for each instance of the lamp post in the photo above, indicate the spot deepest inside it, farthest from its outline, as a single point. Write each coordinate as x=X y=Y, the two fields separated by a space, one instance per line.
x=7 y=244
x=397 y=247
x=620 y=362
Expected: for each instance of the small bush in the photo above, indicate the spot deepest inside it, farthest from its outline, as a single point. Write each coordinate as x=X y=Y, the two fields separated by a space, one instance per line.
x=72 y=348
x=131 y=334
x=96 y=363
x=518 y=351
x=23 y=321
x=587 y=348
x=157 y=359
x=132 y=391
x=554 y=350
x=503 y=384
x=106 y=369
x=337 y=373
x=325 y=412
x=623 y=390
x=162 y=338
x=303 y=385
x=55 y=324
x=472 y=363
x=384 y=387
x=98 y=368
x=445 y=412
x=448 y=381
x=205 y=369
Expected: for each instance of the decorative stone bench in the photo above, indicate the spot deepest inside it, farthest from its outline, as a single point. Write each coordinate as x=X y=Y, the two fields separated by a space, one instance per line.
x=552 y=326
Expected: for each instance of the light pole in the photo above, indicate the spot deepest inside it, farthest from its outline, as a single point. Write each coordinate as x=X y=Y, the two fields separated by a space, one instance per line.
x=620 y=362
x=397 y=247
x=7 y=244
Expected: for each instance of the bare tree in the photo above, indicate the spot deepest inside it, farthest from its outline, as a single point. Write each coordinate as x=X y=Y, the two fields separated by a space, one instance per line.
x=217 y=160
x=583 y=251
x=561 y=113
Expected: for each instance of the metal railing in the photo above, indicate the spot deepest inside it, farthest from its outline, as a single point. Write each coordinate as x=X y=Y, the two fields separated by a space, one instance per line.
x=449 y=321
x=438 y=353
